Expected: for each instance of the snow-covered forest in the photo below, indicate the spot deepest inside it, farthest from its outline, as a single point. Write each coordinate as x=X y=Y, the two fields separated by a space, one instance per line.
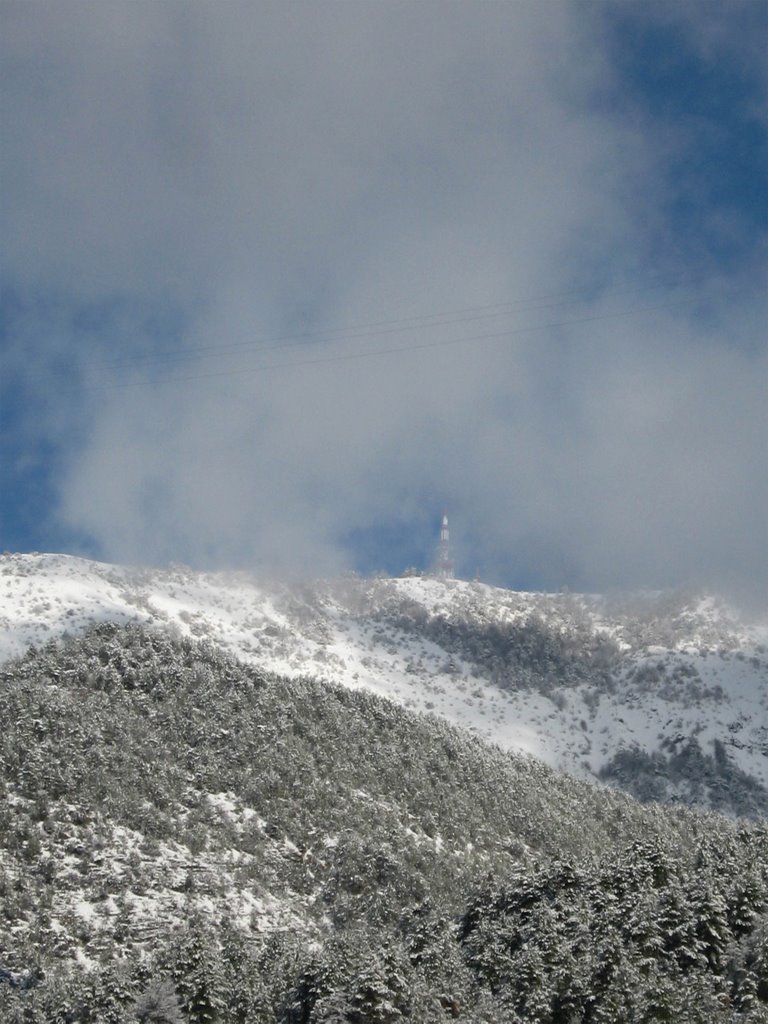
x=661 y=694
x=192 y=830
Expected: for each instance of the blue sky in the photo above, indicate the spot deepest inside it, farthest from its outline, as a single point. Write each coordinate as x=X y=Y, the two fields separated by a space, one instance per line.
x=281 y=282
x=719 y=168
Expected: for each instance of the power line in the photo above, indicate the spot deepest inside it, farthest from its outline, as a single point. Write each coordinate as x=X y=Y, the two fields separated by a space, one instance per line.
x=375 y=328
x=291 y=340
x=392 y=326
x=372 y=353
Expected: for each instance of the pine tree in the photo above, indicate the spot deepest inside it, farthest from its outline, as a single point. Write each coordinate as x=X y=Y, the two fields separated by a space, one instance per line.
x=710 y=915
x=197 y=974
x=380 y=994
x=245 y=994
x=111 y=992
x=750 y=969
x=158 y=1004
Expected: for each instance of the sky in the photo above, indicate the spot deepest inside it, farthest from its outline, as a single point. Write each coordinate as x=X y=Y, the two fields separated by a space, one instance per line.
x=281 y=282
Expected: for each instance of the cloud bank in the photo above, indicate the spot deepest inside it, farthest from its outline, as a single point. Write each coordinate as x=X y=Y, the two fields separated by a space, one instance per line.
x=188 y=185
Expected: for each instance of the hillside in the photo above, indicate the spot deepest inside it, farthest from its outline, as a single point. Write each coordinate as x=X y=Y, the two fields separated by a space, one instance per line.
x=182 y=830
x=663 y=695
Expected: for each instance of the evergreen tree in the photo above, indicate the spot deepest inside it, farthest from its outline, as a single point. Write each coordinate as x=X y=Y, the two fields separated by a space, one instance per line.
x=197 y=973
x=158 y=1004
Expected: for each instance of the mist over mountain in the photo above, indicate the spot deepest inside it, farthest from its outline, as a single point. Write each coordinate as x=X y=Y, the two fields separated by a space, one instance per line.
x=662 y=694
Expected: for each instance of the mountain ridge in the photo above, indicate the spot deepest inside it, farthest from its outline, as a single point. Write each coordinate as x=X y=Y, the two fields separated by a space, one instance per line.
x=663 y=694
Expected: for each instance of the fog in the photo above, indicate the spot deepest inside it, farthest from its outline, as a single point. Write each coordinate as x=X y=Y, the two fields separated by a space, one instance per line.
x=229 y=231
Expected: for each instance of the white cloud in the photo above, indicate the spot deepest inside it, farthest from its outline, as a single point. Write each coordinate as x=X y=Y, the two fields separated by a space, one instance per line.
x=276 y=168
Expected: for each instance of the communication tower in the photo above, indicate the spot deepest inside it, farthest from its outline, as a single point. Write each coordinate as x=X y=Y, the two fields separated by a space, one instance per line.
x=444 y=555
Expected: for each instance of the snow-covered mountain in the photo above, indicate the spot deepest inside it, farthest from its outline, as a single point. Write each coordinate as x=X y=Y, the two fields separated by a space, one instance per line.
x=663 y=694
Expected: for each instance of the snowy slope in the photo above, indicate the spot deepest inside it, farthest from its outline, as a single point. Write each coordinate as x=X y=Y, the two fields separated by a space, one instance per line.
x=659 y=691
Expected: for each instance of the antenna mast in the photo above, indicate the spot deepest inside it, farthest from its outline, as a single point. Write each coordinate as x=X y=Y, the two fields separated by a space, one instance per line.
x=444 y=558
